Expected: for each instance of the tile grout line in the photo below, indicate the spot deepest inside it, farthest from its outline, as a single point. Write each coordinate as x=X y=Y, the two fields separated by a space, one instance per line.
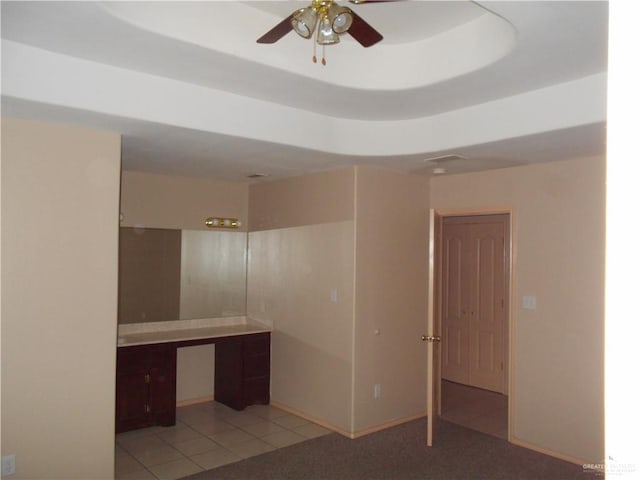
x=286 y=427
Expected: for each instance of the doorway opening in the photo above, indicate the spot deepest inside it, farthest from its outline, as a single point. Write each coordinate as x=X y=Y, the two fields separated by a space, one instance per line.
x=472 y=305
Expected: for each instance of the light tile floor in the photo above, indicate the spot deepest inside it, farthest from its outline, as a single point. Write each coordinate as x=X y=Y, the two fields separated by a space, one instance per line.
x=475 y=408
x=206 y=436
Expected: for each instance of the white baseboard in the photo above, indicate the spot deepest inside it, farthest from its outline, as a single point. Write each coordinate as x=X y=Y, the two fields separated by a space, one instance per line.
x=546 y=451
x=343 y=432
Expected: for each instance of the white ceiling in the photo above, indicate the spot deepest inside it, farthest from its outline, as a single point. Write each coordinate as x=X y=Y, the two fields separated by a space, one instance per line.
x=498 y=83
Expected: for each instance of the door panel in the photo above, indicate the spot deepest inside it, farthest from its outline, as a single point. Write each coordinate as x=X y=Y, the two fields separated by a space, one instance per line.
x=454 y=296
x=436 y=314
x=132 y=393
x=162 y=397
x=487 y=310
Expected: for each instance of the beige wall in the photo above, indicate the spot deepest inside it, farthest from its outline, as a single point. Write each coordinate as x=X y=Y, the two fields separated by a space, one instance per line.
x=164 y=201
x=292 y=273
x=358 y=230
x=60 y=188
x=391 y=296
x=294 y=266
x=195 y=373
x=558 y=246
x=306 y=200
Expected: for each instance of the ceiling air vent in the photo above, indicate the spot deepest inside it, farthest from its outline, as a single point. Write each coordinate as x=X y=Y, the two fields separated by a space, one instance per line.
x=439 y=163
x=445 y=159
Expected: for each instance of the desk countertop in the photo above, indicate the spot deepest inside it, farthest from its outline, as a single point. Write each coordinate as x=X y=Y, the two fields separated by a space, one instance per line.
x=183 y=330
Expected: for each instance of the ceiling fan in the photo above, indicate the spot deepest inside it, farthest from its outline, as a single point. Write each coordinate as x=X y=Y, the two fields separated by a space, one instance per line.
x=330 y=20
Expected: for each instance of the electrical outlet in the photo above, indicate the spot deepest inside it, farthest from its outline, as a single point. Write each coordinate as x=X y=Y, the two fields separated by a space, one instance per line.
x=376 y=391
x=8 y=465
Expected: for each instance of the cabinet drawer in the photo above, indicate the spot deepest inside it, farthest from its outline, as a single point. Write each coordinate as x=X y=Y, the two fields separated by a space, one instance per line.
x=132 y=359
x=256 y=366
x=258 y=344
x=143 y=357
x=162 y=356
x=256 y=390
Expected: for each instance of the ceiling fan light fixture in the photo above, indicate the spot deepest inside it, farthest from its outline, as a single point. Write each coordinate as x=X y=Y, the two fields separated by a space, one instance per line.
x=330 y=20
x=304 y=21
x=326 y=34
x=340 y=18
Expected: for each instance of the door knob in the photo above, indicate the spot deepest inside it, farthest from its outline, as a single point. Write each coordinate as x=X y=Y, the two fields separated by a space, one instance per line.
x=429 y=338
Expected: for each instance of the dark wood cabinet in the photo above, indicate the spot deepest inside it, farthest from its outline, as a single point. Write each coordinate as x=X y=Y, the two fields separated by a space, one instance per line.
x=242 y=371
x=146 y=378
x=145 y=386
x=257 y=369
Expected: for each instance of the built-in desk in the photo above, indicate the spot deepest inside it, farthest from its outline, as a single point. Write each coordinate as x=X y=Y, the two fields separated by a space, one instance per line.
x=146 y=367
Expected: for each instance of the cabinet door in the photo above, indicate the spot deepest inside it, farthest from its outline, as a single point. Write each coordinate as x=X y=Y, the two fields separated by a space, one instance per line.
x=162 y=388
x=257 y=354
x=132 y=393
x=228 y=382
x=145 y=386
x=132 y=389
x=257 y=368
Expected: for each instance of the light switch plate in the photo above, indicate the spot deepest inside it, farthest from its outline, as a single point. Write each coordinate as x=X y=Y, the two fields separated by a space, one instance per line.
x=529 y=302
x=376 y=391
x=8 y=465
x=334 y=295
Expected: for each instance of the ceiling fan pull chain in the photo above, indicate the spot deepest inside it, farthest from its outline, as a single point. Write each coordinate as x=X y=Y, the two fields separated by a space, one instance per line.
x=324 y=62
x=314 y=58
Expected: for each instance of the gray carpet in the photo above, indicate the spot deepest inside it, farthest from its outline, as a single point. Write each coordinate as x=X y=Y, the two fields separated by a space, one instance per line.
x=400 y=453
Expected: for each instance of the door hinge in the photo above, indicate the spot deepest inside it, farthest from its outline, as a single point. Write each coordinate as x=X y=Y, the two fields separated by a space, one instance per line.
x=147 y=378
x=147 y=408
x=501 y=366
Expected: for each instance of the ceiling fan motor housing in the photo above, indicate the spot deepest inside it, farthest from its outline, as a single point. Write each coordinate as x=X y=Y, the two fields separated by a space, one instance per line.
x=327 y=15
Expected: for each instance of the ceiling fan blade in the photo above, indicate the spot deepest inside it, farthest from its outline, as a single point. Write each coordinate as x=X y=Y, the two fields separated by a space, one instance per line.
x=277 y=32
x=364 y=33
